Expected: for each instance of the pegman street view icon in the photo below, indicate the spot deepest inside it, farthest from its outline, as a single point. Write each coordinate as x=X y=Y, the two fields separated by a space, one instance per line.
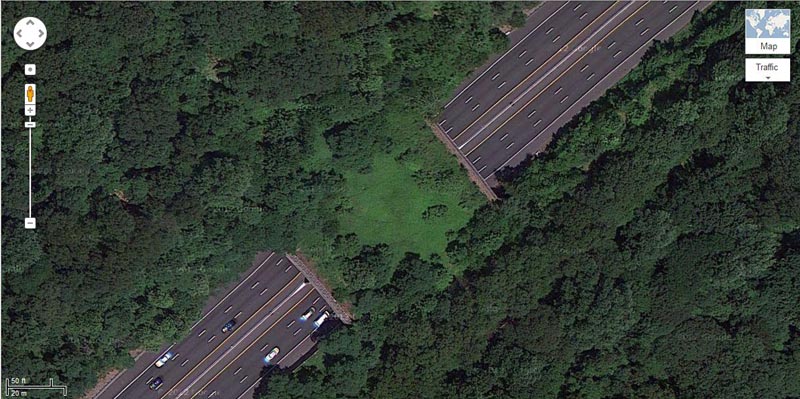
x=30 y=33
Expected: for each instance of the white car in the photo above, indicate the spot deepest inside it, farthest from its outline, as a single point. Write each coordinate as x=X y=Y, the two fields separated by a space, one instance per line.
x=164 y=359
x=307 y=314
x=271 y=355
x=318 y=322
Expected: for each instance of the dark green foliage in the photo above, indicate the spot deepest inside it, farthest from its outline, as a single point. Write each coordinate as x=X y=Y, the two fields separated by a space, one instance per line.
x=176 y=140
x=434 y=212
x=652 y=252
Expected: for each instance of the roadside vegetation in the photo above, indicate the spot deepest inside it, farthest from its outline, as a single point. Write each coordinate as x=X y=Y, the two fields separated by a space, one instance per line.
x=652 y=252
x=176 y=140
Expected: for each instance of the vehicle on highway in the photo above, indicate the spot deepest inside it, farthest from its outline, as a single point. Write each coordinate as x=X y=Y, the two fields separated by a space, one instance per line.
x=229 y=325
x=164 y=359
x=307 y=314
x=318 y=322
x=156 y=383
x=271 y=355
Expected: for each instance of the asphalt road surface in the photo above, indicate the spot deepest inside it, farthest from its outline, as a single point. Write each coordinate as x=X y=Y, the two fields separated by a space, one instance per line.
x=267 y=305
x=567 y=55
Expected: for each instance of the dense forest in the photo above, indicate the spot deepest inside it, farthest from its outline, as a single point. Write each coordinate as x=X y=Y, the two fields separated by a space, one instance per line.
x=653 y=250
x=176 y=140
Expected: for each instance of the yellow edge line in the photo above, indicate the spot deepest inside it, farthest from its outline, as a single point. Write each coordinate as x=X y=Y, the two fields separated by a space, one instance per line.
x=555 y=80
x=222 y=344
x=251 y=345
x=534 y=72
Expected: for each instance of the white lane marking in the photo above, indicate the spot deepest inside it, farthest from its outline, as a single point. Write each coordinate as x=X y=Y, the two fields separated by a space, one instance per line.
x=522 y=53
x=264 y=347
x=243 y=338
x=549 y=30
x=494 y=77
x=563 y=99
x=184 y=362
x=467 y=101
x=293 y=349
x=613 y=42
x=237 y=371
x=481 y=169
x=201 y=333
x=237 y=315
x=263 y=291
x=139 y=376
x=503 y=138
x=672 y=9
x=617 y=53
x=448 y=130
x=248 y=389
x=212 y=338
x=297 y=332
x=315 y=301
x=506 y=53
x=556 y=38
x=255 y=285
x=233 y=290
x=509 y=146
x=584 y=67
x=476 y=106
x=590 y=76
x=242 y=380
x=442 y=122
x=278 y=362
x=576 y=7
x=529 y=62
x=291 y=323
x=501 y=85
x=644 y=31
x=559 y=90
x=531 y=114
x=228 y=309
x=537 y=123
x=477 y=159
x=583 y=16
x=549 y=72
x=279 y=262
x=639 y=22
x=287 y=269
x=647 y=43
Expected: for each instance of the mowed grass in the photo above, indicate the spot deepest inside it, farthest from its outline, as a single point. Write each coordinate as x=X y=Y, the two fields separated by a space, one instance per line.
x=387 y=206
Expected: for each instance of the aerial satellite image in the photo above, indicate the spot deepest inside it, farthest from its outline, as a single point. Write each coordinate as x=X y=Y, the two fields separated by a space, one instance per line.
x=400 y=199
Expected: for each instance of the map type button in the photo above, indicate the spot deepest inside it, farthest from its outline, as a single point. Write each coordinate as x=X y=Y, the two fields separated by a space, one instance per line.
x=767 y=31
x=767 y=69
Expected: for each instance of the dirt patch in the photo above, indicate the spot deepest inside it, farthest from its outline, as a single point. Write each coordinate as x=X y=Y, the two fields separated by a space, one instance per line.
x=110 y=376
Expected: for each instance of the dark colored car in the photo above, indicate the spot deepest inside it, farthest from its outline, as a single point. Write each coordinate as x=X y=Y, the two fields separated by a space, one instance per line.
x=156 y=383
x=229 y=325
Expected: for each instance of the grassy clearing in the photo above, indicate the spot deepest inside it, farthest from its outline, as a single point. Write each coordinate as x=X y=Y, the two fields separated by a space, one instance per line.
x=387 y=206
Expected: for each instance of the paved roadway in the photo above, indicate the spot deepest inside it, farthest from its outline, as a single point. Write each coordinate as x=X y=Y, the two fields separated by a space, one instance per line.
x=567 y=56
x=266 y=304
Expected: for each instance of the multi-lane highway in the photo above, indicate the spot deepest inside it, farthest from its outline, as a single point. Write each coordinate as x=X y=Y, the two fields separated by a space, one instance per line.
x=568 y=54
x=267 y=306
